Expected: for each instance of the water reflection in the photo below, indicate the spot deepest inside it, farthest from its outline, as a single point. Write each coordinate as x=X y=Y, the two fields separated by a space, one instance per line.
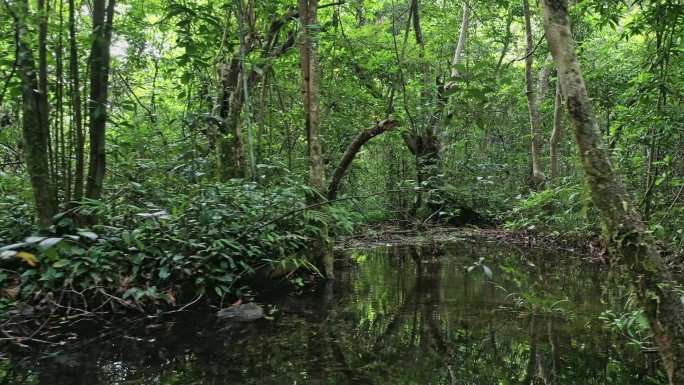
x=404 y=315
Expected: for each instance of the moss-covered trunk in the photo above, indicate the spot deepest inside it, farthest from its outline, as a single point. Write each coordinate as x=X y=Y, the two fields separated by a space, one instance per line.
x=35 y=122
x=632 y=246
x=231 y=148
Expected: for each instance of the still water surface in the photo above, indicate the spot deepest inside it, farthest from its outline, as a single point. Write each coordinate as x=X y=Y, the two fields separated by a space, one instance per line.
x=402 y=315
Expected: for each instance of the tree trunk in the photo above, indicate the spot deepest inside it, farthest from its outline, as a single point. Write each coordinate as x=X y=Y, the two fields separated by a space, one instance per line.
x=77 y=105
x=308 y=14
x=363 y=137
x=231 y=148
x=538 y=177
x=461 y=41
x=99 y=86
x=35 y=122
x=632 y=247
x=555 y=135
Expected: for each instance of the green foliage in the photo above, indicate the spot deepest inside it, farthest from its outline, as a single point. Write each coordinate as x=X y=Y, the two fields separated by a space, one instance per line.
x=203 y=245
x=343 y=220
x=631 y=325
x=565 y=208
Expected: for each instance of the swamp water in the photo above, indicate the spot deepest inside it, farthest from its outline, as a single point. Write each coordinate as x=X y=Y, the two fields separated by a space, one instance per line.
x=402 y=315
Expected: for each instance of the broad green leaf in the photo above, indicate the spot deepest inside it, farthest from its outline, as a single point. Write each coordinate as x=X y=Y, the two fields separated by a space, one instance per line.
x=34 y=239
x=48 y=243
x=61 y=263
x=487 y=271
x=185 y=78
x=164 y=272
x=88 y=234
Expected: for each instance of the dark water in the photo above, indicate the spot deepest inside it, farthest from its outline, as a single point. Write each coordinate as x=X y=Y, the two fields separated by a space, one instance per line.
x=404 y=315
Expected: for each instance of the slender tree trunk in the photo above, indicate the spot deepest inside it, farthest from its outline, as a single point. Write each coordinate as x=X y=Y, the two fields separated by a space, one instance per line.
x=43 y=82
x=308 y=14
x=555 y=135
x=231 y=148
x=77 y=106
x=99 y=87
x=461 y=41
x=632 y=247
x=63 y=176
x=262 y=118
x=538 y=177
x=35 y=121
x=247 y=13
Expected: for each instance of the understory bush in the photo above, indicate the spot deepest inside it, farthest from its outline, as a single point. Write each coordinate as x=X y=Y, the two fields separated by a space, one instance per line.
x=151 y=255
x=565 y=208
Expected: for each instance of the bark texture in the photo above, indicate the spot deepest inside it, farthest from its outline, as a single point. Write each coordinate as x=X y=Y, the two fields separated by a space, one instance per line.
x=322 y=246
x=461 y=42
x=361 y=139
x=632 y=246
x=77 y=105
x=538 y=177
x=35 y=122
x=231 y=147
x=99 y=86
x=555 y=134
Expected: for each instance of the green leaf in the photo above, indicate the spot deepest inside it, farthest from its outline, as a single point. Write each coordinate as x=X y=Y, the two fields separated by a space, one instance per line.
x=61 y=263
x=130 y=292
x=34 y=239
x=88 y=234
x=450 y=92
x=477 y=94
x=479 y=66
x=460 y=68
x=185 y=78
x=487 y=271
x=164 y=272
x=48 y=243
x=12 y=246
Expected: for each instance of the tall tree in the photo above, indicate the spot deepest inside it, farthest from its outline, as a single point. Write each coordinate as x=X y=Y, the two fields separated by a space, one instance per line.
x=35 y=117
x=231 y=147
x=77 y=105
x=633 y=247
x=308 y=16
x=555 y=134
x=538 y=177
x=103 y=18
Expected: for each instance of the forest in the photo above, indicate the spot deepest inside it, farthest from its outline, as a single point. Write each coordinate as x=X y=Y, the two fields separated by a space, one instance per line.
x=157 y=155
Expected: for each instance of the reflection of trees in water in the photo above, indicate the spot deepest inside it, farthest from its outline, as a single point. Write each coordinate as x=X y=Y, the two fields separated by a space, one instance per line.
x=406 y=315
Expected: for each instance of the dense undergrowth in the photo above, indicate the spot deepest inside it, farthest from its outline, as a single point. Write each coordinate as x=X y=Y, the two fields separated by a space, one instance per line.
x=150 y=253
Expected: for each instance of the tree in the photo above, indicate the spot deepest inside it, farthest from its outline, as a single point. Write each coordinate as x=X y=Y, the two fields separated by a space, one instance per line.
x=35 y=116
x=633 y=247
x=555 y=134
x=308 y=16
x=538 y=177
x=103 y=18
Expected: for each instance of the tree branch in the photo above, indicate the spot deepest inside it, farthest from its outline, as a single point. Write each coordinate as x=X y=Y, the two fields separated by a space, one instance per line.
x=363 y=137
